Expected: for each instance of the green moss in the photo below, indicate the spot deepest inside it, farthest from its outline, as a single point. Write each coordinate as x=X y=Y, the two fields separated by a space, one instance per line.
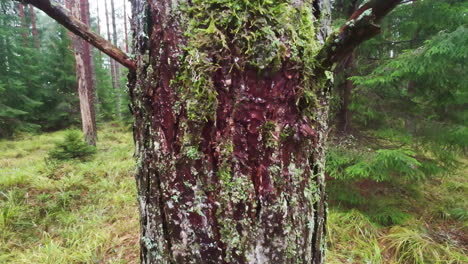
x=192 y=152
x=286 y=133
x=263 y=34
x=224 y=174
x=267 y=130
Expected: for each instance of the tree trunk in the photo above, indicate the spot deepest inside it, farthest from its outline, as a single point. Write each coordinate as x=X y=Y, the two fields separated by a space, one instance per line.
x=33 y=26
x=112 y=62
x=115 y=81
x=125 y=25
x=24 y=31
x=345 y=114
x=230 y=132
x=348 y=68
x=116 y=65
x=230 y=101
x=98 y=27
x=84 y=72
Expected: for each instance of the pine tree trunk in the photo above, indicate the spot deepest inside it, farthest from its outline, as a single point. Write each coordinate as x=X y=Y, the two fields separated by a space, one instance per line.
x=98 y=16
x=230 y=131
x=24 y=31
x=84 y=73
x=125 y=25
x=230 y=102
x=348 y=69
x=345 y=113
x=113 y=64
x=116 y=65
x=33 y=26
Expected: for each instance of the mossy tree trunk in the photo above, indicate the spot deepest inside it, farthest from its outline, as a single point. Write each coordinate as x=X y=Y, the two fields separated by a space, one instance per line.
x=230 y=99
x=230 y=124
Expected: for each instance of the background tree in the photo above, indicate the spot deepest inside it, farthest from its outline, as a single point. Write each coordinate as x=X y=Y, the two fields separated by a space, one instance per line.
x=84 y=73
x=32 y=16
x=33 y=99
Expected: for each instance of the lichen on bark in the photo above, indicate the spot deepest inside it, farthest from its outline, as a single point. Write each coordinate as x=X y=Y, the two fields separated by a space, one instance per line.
x=228 y=107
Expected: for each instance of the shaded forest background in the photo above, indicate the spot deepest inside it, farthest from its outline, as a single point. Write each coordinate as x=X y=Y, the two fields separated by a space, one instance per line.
x=396 y=165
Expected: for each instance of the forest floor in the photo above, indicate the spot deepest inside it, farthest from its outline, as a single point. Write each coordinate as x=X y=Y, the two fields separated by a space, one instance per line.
x=86 y=211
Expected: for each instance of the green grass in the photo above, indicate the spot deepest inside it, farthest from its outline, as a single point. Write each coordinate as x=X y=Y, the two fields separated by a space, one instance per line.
x=68 y=212
x=429 y=227
x=418 y=246
x=86 y=212
x=353 y=238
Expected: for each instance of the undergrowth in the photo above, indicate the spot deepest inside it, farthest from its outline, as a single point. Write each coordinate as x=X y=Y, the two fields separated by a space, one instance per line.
x=71 y=147
x=85 y=211
x=395 y=201
x=417 y=246
x=75 y=211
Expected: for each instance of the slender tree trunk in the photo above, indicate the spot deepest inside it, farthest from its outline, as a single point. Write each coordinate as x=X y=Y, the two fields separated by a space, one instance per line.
x=116 y=65
x=113 y=64
x=99 y=27
x=24 y=31
x=348 y=69
x=125 y=25
x=231 y=153
x=84 y=71
x=33 y=25
x=89 y=63
x=345 y=114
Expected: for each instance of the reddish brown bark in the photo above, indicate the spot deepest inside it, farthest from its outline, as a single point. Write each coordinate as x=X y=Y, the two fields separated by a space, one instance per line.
x=33 y=26
x=241 y=184
x=24 y=31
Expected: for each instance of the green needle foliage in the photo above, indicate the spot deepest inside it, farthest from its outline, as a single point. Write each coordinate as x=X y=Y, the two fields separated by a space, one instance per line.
x=408 y=112
x=72 y=147
x=38 y=87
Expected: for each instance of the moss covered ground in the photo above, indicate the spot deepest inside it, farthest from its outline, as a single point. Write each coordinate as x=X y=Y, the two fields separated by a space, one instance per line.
x=86 y=211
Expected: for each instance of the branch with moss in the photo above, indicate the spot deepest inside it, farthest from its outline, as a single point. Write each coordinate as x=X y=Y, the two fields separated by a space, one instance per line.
x=63 y=16
x=361 y=26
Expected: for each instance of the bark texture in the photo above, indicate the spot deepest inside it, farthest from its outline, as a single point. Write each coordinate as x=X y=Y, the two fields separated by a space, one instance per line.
x=230 y=131
x=84 y=73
